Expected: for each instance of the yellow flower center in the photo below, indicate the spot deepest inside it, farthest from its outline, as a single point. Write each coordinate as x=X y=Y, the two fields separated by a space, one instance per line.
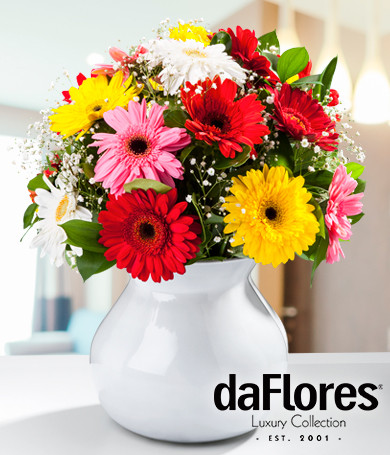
x=195 y=53
x=62 y=208
x=297 y=120
x=96 y=109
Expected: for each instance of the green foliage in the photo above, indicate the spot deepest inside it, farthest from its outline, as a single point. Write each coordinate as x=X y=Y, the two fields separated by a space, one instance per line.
x=175 y=118
x=317 y=252
x=320 y=254
x=283 y=154
x=29 y=215
x=292 y=62
x=308 y=81
x=267 y=41
x=355 y=218
x=355 y=169
x=273 y=59
x=326 y=80
x=84 y=234
x=185 y=152
x=214 y=219
x=37 y=182
x=146 y=184
x=88 y=170
x=223 y=38
x=205 y=232
x=240 y=159
x=322 y=178
x=361 y=186
x=320 y=217
x=92 y=263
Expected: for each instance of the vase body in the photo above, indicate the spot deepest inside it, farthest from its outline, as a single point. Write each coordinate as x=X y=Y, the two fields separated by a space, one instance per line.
x=163 y=348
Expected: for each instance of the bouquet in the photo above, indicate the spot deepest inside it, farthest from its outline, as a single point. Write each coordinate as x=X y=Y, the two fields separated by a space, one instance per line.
x=195 y=145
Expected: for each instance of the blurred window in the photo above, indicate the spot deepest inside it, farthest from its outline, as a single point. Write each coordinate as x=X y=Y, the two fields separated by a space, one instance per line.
x=18 y=261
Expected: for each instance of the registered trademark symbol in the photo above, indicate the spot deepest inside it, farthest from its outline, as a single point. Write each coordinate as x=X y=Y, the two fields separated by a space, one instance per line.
x=380 y=387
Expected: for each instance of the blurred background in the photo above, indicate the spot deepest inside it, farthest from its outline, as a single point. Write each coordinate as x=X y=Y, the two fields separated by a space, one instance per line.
x=348 y=307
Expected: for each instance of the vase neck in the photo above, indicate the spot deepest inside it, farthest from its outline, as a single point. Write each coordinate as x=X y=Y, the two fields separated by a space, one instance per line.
x=203 y=277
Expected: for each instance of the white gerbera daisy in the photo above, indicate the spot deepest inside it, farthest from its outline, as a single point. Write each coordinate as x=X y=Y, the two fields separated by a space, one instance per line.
x=56 y=207
x=192 y=61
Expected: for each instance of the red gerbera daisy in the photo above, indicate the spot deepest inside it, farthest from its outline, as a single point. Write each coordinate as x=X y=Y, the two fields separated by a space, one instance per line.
x=147 y=234
x=244 y=44
x=301 y=116
x=216 y=117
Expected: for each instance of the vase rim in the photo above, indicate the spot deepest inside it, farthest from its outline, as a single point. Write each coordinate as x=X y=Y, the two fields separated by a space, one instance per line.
x=203 y=263
x=209 y=273
x=221 y=262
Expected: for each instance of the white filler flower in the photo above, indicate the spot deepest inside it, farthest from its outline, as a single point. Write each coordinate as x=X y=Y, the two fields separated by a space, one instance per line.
x=192 y=61
x=56 y=207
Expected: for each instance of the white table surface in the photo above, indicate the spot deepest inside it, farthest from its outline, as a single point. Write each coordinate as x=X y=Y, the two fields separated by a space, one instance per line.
x=49 y=406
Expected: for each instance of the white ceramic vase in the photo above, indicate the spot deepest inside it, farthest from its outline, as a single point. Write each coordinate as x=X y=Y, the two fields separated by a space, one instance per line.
x=163 y=348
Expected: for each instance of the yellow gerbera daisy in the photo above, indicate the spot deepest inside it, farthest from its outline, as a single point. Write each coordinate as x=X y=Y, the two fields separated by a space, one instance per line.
x=91 y=100
x=270 y=215
x=188 y=31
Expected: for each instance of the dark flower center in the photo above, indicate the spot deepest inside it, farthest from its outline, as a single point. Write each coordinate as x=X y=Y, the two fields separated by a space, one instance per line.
x=138 y=146
x=147 y=231
x=218 y=121
x=270 y=213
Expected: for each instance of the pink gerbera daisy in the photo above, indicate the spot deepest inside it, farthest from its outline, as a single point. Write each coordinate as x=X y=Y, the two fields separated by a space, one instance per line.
x=141 y=148
x=342 y=203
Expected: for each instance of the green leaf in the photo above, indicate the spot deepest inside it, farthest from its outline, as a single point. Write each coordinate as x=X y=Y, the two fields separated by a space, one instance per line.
x=201 y=220
x=268 y=40
x=320 y=217
x=356 y=169
x=292 y=62
x=92 y=263
x=29 y=215
x=308 y=80
x=84 y=234
x=185 y=152
x=361 y=186
x=214 y=219
x=37 y=182
x=240 y=255
x=239 y=160
x=175 y=118
x=355 y=218
x=320 y=254
x=146 y=184
x=88 y=170
x=223 y=38
x=326 y=79
x=273 y=59
x=319 y=178
x=283 y=154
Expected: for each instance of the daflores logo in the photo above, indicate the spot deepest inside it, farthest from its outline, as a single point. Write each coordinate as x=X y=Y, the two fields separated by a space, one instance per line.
x=304 y=397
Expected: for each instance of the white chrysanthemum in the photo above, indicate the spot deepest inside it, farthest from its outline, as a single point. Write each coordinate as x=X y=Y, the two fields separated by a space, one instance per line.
x=56 y=207
x=192 y=61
